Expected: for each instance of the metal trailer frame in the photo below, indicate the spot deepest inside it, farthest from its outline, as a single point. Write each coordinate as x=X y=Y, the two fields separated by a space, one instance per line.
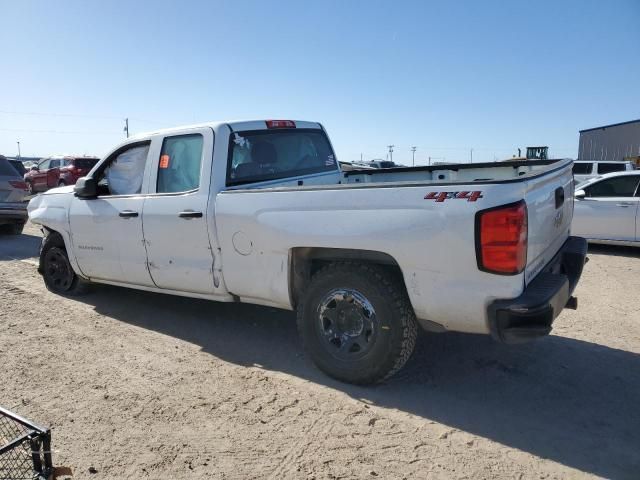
x=39 y=440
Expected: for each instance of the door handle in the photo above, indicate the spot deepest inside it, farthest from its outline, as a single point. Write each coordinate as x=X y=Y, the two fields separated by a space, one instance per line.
x=128 y=214
x=190 y=214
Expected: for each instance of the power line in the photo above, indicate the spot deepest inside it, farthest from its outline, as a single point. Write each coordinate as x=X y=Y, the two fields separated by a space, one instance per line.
x=76 y=115
x=57 y=131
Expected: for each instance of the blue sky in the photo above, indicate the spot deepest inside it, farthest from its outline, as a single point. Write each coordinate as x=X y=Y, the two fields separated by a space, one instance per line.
x=443 y=76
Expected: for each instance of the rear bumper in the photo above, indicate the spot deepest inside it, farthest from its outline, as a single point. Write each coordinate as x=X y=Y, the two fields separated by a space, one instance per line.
x=531 y=314
x=13 y=213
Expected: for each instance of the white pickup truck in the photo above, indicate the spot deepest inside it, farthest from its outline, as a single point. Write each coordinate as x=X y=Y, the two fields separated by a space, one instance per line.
x=260 y=212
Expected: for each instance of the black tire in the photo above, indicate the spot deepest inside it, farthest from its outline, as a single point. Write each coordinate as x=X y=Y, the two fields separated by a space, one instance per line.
x=56 y=270
x=12 y=229
x=349 y=305
x=61 y=183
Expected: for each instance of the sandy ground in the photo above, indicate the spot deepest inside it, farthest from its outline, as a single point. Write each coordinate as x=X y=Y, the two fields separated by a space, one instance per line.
x=141 y=385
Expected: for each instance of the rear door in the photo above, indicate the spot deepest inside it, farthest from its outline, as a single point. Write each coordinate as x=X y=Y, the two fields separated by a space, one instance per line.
x=549 y=212
x=180 y=251
x=608 y=210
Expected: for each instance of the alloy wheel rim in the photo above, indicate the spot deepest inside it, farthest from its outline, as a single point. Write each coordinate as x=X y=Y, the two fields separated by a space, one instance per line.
x=346 y=324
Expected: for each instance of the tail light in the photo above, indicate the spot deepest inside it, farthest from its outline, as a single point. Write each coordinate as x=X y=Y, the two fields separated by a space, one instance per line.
x=501 y=239
x=18 y=184
x=281 y=124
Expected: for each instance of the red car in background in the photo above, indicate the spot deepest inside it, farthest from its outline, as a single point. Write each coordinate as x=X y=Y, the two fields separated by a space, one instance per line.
x=57 y=171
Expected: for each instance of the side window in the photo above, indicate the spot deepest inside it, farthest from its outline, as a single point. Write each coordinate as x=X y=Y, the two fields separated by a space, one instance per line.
x=44 y=165
x=179 y=167
x=614 y=187
x=54 y=164
x=610 y=167
x=582 y=168
x=125 y=172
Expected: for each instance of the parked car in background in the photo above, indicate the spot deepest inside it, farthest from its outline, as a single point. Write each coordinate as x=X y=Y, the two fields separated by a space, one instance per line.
x=19 y=166
x=74 y=168
x=13 y=208
x=606 y=209
x=57 y=171
x=586 y=170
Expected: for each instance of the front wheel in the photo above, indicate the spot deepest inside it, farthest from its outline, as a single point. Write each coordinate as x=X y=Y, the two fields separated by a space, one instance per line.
x=30 y=189
x=56 y=269
x=357 y=323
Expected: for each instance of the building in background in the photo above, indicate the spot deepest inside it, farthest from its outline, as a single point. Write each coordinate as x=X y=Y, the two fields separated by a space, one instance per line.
x=619 y=141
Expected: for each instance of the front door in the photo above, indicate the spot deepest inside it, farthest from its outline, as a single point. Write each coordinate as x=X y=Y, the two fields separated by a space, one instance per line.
x=180 y=252
x=608 y=210
x=107 y=231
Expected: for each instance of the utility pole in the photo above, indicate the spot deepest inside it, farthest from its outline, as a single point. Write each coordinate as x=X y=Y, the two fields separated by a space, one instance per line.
x=18 y=150
x=472 y=155
x=413 y=156
x=390 y=147
x=126 y=126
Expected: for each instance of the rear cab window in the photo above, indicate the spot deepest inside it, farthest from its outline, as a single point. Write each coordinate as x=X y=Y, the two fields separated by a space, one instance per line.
x=262 y=155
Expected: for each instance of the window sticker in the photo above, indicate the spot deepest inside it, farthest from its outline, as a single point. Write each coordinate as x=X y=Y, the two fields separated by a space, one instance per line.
x=241 y=141
x=330 y=161
x=164 y=161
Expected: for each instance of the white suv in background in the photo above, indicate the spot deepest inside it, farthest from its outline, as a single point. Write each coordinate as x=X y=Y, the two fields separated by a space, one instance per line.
x=587 y=169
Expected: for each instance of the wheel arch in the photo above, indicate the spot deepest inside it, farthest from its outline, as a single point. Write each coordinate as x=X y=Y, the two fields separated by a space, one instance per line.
x=66 y=242
x=305 y=261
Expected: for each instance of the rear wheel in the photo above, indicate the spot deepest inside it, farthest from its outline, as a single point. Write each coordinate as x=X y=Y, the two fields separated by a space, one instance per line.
x=61 y=183
x=30 y=189
x=56 y=269
x=357 y=323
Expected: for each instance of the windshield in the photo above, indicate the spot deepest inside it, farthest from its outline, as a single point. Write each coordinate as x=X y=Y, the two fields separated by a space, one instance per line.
x=272 y=154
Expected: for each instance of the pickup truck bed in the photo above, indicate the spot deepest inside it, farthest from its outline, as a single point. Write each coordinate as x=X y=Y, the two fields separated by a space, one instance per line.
x=260 y=212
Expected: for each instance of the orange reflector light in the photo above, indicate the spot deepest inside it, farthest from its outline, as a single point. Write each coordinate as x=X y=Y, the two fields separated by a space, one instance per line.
x=501 y=239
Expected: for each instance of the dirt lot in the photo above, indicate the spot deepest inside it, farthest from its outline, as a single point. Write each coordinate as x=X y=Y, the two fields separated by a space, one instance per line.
x=140 y=385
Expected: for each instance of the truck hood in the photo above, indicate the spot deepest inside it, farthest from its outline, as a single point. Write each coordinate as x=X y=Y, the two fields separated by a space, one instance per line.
x=58 y=190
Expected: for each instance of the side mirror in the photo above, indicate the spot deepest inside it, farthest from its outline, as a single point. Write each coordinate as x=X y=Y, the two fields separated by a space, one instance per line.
x=34 y=168
x=86 y=187
x=580 y=194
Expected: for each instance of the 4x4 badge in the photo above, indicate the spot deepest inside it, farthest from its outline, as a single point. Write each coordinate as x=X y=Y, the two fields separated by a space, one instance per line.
x=442 y=196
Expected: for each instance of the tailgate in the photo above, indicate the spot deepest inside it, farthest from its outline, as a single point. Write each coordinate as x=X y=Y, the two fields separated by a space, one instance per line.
x=550 y=210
